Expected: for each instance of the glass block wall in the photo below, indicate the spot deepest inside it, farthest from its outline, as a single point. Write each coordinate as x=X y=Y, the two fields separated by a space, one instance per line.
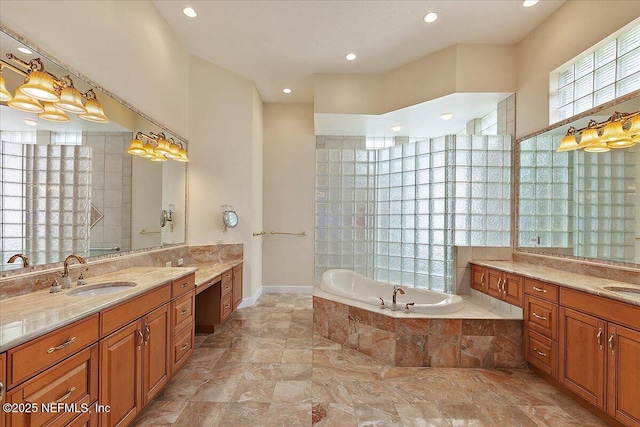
x=577 y=203
x=419 y=204
x=58 y=190
x=12 y=201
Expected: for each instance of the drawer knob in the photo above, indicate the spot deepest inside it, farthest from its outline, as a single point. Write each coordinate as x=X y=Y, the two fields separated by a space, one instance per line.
x=227 y=306
x=61 y=346
x=64 y=396
x=537 y=289
x=184 y=285
x=183 y=312
x=227 y=288
x=539 y=352
x=184 y=347
x=536 y=315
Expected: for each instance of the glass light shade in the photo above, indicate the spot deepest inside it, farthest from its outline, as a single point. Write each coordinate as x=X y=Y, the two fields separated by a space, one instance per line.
x=4 y=93
x=22 y=102
x=588 y=137
x=568 y=143
x=621 y=143
x=613 y=132
x=136 y=148
x=634 y=129
x=71 y=101
x=94 y=112
x=182 y=157
x=158 y=158
x=148 y=151
x=53 y=114
x=163 y=148
x=597 y=147
x=175 y=150
x=40 y=86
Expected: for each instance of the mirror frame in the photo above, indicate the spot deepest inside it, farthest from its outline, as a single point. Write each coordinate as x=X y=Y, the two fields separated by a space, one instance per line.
x=516 y=183
x=77 y=74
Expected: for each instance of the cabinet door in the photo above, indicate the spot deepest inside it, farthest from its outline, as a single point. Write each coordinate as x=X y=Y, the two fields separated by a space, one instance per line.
x=237 y=286
x=3 y=385
x=156 y=352
x=623 y=355
x=477 y=278
x=494 y=283
x=121 y=375
x=156 y=348
x=582 y=355
x=513 y=290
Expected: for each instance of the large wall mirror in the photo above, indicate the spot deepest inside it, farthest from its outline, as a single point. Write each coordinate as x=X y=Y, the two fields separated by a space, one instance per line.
x=578 y=204
x=71 y=187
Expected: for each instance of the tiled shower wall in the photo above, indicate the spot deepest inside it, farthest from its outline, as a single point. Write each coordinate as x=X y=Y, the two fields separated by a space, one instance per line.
x=418 y=205
x=577 y=203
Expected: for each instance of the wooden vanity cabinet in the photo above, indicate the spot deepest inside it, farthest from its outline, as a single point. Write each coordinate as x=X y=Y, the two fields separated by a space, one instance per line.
x=498 y=284
x=541 y=325
x=3 y=385
x=237 y=285
x=183 y=325
x=600 y=353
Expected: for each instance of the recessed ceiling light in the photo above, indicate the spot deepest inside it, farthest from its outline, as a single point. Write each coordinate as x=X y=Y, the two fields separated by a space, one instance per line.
x=25 y=50
x=446 y=116
x=190 y=12
x=350 y=56
x=286 y=90
x=396 y=128
x=431 y=17
x=30 y=122
x=529 y=3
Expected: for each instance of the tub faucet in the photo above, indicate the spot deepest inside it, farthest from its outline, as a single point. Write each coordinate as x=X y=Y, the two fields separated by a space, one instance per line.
x=23 y=257
x=397 y=289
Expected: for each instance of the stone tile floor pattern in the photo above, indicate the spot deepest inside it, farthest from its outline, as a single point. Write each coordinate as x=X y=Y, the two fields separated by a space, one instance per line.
x=265 y=367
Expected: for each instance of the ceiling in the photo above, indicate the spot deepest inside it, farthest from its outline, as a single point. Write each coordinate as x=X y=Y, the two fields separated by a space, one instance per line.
x=279 y=44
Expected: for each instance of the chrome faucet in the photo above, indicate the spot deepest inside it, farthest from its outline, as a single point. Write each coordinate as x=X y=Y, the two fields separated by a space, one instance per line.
x=397 y=289
x=67 y=260
x=23 y=257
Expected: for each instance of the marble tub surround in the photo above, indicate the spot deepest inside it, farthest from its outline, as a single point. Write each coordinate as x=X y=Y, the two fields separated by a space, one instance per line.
x=581 y=282
x=25 y=317
x=24 y=281
x=624 y=273
x=266 y=368
x=397 y=339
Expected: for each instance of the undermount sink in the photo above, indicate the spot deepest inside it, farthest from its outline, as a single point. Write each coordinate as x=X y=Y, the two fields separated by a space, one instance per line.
x=623 y=289
x=101 y=289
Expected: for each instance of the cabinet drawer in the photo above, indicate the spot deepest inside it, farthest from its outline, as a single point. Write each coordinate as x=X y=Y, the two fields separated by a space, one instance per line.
x=183 y=311
x=181 y=286
x=182 y=348
x=541 y=352
x=30 y=358
x=226 y=306
x=227 y=275
x=226 y=287
x=118 y=316
x=541 y=316
x=62 y=389
x=540 y=289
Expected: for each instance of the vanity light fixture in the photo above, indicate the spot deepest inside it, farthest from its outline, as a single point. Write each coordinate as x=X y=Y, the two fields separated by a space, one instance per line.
x=286 y=90
x=157 y=148
x=58 y=94
x=431 y=17
x=350 y=56
x=446 y=116
x=190 y=12
x=396 y=128
x=529 y=3
x=621 y=130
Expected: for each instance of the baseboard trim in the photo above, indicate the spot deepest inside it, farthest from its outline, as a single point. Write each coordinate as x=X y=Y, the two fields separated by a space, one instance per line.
x=248 y=302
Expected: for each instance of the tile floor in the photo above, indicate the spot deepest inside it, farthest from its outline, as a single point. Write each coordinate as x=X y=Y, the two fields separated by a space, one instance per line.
x=266 y=368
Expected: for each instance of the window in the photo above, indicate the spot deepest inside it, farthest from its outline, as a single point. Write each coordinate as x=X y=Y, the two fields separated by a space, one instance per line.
x=607 y=71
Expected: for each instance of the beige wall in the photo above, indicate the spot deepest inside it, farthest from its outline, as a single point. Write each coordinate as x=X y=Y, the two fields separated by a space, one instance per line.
x=224 y=151
x=572 y=29
x=289 y=183
x=125 y=46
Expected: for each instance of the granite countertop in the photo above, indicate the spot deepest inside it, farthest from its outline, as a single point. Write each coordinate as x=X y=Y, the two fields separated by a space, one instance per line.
x=208 y=271
x=581 y=282
x=25 y=317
